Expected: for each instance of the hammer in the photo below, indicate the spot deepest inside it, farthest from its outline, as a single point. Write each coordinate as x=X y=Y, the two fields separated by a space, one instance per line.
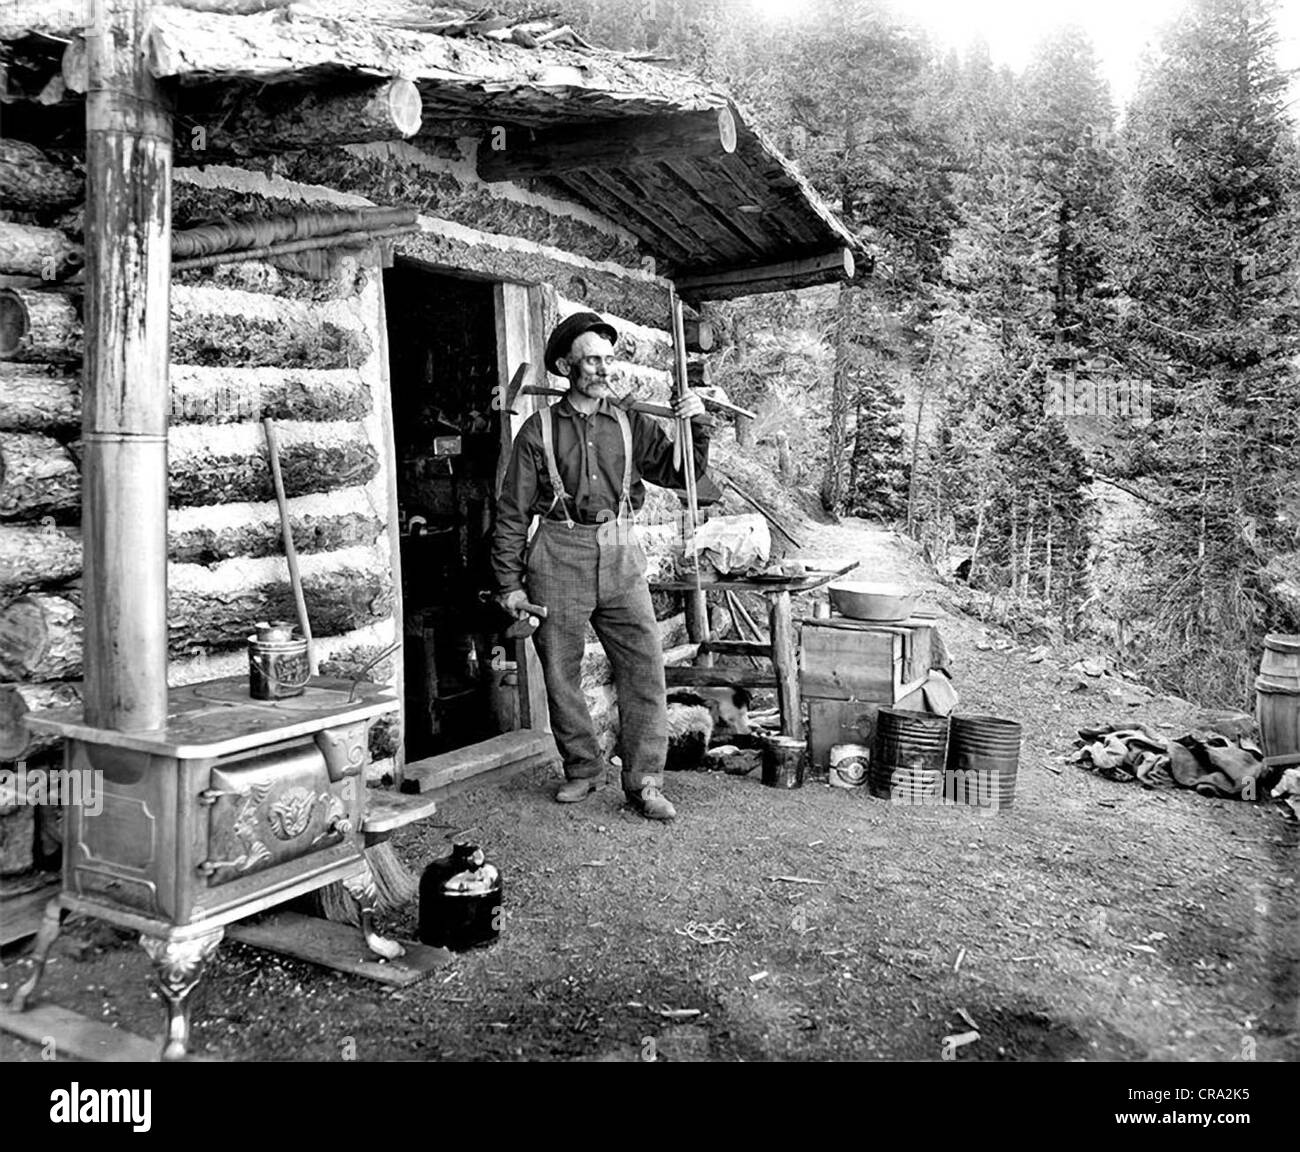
x=528 y=619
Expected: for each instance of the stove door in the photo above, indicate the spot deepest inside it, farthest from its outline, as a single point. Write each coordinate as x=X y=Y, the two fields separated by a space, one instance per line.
x=272 y=808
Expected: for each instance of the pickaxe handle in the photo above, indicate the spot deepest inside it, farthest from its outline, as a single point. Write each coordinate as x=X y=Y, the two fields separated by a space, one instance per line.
x=645 y=406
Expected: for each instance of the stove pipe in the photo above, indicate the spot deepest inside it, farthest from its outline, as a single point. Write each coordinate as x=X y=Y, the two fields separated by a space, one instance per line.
x=125 y=396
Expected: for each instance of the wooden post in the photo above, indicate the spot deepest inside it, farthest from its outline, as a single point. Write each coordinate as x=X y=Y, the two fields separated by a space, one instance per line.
x=521 y=325
x=785 y=664
x=697 y=606
x=126 y=394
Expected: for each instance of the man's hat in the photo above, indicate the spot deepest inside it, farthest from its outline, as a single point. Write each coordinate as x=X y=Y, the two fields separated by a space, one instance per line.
x=568 y=330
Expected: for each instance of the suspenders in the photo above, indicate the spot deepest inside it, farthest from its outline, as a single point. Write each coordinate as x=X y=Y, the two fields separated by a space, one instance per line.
x=561 y=497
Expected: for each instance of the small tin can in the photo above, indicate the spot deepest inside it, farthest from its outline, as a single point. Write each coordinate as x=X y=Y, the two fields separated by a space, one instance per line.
x=783 y=761
x=277 y=662
x=849 y=765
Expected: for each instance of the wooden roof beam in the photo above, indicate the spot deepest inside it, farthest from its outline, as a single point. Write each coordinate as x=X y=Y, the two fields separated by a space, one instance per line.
x=752 y=281
x=509 y=154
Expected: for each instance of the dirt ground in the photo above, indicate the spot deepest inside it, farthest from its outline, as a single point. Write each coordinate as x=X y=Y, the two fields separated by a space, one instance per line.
x=1092 y=921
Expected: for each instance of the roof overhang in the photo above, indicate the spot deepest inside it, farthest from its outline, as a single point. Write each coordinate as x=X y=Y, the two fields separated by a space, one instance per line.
x=723 y=220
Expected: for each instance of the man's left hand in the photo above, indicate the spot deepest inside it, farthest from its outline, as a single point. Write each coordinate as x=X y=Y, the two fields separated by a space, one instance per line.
x=691 y=405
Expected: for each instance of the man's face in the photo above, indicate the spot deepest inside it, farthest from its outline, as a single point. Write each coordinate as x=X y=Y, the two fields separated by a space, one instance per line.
x=590 y=365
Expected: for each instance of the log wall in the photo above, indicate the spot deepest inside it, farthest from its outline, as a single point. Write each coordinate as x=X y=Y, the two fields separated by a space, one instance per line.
x=257 y=339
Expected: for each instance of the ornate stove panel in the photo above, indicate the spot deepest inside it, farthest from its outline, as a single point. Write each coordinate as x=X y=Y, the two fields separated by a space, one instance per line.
x=273 y=807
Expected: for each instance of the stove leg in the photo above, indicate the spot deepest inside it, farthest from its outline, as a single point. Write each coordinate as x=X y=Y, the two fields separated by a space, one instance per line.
x=178 y=966
x=361 y=887
x=46 y=935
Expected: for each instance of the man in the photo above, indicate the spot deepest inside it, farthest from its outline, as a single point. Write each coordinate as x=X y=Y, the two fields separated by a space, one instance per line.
x=580 y=466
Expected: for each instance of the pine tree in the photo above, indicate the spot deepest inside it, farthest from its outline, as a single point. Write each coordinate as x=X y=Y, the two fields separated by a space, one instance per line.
x=1210 y=269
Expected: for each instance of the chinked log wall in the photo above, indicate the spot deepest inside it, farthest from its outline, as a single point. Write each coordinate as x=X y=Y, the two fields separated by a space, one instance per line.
x=251 y=340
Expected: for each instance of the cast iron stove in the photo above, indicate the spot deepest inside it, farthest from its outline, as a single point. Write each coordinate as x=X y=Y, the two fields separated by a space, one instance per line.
x=234 y=806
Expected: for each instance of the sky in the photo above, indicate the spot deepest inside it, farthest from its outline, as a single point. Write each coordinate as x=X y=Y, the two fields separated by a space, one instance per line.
x=1119 y=29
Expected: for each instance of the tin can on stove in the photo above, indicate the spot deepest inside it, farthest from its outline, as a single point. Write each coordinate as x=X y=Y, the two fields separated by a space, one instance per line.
x=277 y=662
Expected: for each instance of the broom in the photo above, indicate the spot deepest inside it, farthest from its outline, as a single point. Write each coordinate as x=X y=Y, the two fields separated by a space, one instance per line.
x=394 y=883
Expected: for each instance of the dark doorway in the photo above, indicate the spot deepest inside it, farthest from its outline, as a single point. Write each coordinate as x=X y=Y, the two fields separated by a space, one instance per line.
x=443 y=369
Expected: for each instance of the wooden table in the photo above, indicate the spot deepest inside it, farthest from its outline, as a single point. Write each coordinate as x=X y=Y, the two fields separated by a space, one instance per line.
x=781 y=650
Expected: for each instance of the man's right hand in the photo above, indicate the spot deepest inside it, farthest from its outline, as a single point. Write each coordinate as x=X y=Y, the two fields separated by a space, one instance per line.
x=513 y=602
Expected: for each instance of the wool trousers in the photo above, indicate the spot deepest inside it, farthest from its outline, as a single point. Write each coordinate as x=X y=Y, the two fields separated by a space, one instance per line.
x=596 y=574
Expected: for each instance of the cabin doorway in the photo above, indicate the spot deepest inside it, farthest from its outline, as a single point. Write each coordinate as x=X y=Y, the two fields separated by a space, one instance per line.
x=443 y=368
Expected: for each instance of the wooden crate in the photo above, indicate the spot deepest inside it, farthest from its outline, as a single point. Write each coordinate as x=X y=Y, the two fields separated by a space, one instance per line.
x=852 y=659
x=839 y=663
x=848 y=669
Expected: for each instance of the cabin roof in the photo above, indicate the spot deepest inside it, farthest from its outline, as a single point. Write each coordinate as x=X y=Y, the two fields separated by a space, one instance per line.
x=700 y=215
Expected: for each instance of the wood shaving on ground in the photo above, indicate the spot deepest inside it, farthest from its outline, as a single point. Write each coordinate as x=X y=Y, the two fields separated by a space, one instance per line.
x=794 y=880
x=966 y=1018
x=757 y=976
x=960 y=1040
x=715 y=933
x=679 y=1013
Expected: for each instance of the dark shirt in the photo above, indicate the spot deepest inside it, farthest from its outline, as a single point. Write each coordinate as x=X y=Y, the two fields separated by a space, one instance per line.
x=589 y=455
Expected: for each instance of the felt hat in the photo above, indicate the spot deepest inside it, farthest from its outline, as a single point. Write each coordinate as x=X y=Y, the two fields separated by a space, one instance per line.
x=568 y=330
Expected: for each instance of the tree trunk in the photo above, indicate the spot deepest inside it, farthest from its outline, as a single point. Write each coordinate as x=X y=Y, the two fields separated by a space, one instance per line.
x=224 y=395
x=277 y=119
x=1015 y=549
x=37 y=477
x=1047 y=565
x=37 y=398
x=39 y=326
x=44 y=253
x=42 y=397
x=16 y=700
x=206 y=471
x=316 y=527
x=216 y=609
x=35 y=557
x=975 y=546
x=40 y=638
x=784 y=461
x=31 y=182
x=833 y=481
x=744 y=432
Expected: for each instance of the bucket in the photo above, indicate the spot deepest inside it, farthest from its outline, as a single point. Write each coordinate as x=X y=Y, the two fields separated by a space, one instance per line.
x=849 y=765
x=907 y=756
x=1279 y=666
x=983 y=760
x=783 y=761
x=277 y=662
x=1277 y=710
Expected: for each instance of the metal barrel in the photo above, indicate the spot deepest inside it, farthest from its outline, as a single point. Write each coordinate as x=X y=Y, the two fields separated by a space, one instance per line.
x=983 y=760
x=907 y=757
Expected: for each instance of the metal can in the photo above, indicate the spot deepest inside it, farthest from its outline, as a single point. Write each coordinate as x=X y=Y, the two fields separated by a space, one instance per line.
x=277 y=662
x=460 y=901
x=849 y=765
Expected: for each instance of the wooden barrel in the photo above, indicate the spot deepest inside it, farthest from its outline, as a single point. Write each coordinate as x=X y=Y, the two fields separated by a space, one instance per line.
x=1279 y=667
x=907 y=757
x=1277 y=710
x=983 y=761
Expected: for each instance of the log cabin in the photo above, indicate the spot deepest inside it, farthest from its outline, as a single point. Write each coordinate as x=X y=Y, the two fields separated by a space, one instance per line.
x=353 y=225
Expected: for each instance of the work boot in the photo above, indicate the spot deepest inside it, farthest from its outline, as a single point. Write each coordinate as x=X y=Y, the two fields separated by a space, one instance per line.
x=571 y=791
x=651 y=804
